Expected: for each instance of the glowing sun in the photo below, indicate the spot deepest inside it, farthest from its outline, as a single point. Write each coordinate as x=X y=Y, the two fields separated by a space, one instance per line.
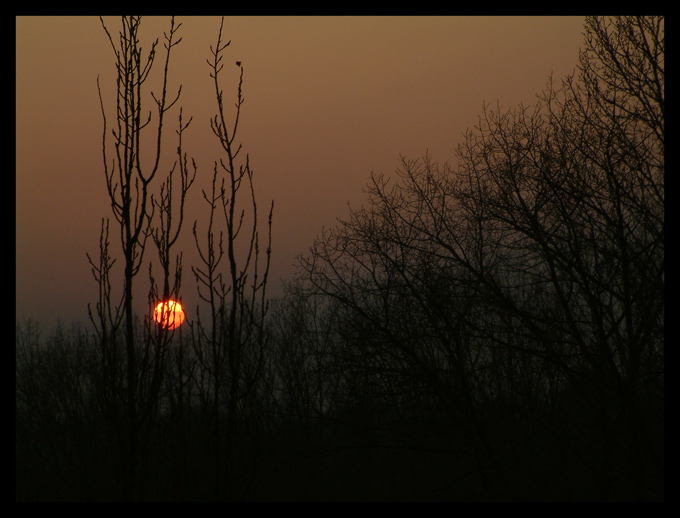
x=169 y=314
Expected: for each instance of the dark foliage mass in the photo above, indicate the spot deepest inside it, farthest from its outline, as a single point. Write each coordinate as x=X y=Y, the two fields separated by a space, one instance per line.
x=488 y=331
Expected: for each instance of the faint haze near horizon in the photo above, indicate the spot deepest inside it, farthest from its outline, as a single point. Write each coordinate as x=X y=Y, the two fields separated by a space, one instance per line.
x=327 y=101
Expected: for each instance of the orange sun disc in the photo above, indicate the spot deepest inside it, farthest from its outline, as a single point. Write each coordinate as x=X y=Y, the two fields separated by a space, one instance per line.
x=169 y=314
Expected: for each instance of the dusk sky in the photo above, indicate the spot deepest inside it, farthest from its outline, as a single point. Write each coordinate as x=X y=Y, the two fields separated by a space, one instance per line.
x=328 y=100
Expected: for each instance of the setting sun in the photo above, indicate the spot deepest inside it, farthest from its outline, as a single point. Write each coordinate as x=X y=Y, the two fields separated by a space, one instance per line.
x=169 y=314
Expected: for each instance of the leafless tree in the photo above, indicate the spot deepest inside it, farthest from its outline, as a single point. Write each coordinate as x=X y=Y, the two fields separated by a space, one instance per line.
x=232 y=340
x=130 y=182
x=536 y=263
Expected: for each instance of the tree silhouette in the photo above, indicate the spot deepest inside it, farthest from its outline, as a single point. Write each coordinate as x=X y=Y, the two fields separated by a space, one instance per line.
x=232 y=340
x=129 y=182
x=542 y=250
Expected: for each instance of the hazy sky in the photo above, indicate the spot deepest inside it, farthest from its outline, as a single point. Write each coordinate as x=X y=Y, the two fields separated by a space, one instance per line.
x=327 y=101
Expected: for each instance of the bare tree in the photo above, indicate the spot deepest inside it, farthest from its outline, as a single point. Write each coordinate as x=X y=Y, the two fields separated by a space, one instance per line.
x=543 y=250
x=233 y=340
x=129 y=180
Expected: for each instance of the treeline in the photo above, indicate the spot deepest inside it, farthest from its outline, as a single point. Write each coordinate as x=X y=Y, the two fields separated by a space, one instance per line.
x=492 y=330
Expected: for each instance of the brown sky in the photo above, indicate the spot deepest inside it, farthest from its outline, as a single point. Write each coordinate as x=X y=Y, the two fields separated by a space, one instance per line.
x=327 y=101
